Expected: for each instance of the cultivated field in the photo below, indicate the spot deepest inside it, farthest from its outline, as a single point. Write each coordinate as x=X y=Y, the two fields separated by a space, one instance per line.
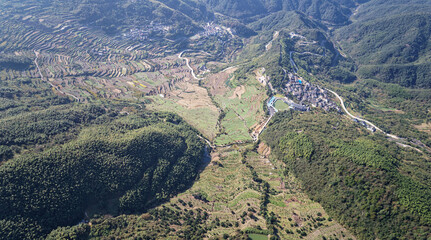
x=233 y=196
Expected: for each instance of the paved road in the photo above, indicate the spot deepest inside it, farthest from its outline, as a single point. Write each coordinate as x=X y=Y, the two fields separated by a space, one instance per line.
x=180 y=56
x=292 y=62
x=360 y=119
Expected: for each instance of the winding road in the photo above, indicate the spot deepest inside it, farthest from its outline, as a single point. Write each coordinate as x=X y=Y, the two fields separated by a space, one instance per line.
x=360 y=119
x=399 y=141
x=292 y=62
x=180 y=56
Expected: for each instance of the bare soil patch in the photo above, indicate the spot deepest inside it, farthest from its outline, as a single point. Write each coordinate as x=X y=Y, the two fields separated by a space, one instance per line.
x=264 y=149
x=239 y=91
x=192 y=96
x=217 y=82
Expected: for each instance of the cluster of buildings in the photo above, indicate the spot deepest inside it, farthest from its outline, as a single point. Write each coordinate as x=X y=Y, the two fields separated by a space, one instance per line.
x=144 y=33
x=305 y=92
x=211 y=29
x=363 y=123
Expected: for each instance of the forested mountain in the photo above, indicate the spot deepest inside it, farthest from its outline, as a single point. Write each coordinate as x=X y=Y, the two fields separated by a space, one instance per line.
x=362 y=180
x=132 y=162
x=391 y=42
x=375 y=9
x=332 y=11
x=59 y=158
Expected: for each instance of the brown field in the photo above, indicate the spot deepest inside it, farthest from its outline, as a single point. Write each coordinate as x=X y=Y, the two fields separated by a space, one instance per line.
x=192 y=96
x=239 y=91
x=217 y=82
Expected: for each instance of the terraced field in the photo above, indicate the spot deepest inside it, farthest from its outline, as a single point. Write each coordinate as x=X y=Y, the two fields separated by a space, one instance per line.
x=84 y=61
x=230 y=192
x=243 y=110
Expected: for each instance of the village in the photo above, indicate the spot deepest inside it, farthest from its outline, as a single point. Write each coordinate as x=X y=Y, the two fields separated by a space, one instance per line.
x=306 y=92
x=144 y=33
x=211 y=29
x=295 y=88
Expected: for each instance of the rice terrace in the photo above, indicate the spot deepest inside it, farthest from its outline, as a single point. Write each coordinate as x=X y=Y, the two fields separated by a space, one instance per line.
x=200 y=119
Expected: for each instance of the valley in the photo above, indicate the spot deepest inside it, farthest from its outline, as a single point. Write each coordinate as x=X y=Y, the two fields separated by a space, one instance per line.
x=229 y=198
x=214 y=120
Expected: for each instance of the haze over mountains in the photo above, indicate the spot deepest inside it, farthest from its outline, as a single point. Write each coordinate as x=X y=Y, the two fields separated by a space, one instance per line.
x=215 y=119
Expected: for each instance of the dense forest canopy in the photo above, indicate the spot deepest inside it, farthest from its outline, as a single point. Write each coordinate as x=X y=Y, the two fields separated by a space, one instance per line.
x=389 y=40
x=135 y=161
x=332 y=11
x=59 y=158
x=364 y=181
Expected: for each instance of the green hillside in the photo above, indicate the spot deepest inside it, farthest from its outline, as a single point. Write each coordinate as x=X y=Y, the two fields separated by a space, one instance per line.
x=390 y=42
x=332 y=11
x=127 y=163
x=376 y=9
x=58 y=158
x=365 y=182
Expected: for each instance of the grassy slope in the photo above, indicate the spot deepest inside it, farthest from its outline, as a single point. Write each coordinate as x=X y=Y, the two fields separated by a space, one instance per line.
x=248 y=107
x=203 y=119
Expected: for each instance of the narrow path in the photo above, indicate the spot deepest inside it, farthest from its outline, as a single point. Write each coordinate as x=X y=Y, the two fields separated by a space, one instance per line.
x=295 y=68
x=285 y=74
x=269 y=44
x=243 y=121
x=52 y=85
x=207 y=141
x=264 y=126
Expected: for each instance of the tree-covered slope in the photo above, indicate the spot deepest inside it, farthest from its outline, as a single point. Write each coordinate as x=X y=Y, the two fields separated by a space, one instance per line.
x=376 y=9
x=390 y=41
x=370 y=185
x=332 y=11
x=132 y=162
x=284 y=19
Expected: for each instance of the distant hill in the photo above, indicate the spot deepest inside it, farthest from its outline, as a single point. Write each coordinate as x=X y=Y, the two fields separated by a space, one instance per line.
x=392 y=49
x=376 y=9
x=108 y=12
x=332 y=11
x=284 y=19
